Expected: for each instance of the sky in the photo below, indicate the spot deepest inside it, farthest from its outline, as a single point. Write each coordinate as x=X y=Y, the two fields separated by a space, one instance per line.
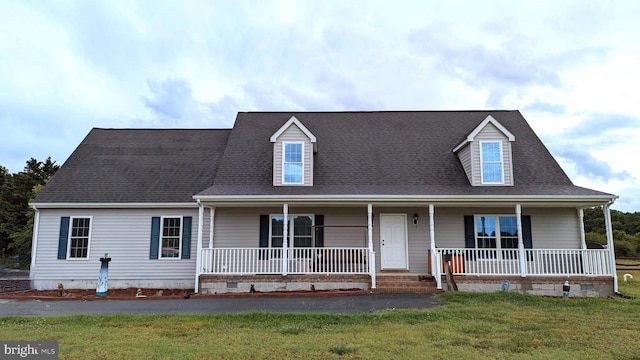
x=570 y=67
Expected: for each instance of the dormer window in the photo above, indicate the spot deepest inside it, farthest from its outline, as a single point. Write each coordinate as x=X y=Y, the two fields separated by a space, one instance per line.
x=491 y=167
x=485 y=155
x=293 y=149
x=293 y=163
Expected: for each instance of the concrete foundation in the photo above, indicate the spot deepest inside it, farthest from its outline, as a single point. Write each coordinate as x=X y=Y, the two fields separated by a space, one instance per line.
x=581 y=286
x=113 y=284
x=220 y=284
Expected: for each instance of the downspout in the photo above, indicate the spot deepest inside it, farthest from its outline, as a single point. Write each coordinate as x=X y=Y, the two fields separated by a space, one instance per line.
x=583 y=238
x=285 y=236
x=435 y=269
x=34 y=241
x=612 y=253
x=372 y=257
x=199 y=247
x=523 y=263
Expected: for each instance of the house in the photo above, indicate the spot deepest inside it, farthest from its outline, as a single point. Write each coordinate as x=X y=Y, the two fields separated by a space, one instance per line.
x=327 y=200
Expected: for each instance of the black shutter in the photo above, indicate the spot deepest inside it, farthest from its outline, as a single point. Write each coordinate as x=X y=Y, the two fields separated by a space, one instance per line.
x=526 y=232
x=264 y=236
x=469 y=232
x=64 y=238
x=186 y=237
x=319 y=231
x=155 y=238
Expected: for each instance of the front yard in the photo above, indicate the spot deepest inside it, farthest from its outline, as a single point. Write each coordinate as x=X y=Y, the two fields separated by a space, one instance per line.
x=499 y=325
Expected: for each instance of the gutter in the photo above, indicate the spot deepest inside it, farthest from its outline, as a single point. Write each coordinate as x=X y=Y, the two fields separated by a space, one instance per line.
x=114 y=205
x=441 y=199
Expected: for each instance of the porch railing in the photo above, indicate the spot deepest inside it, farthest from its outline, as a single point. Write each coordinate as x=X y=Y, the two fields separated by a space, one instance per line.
x=324 y=260
x=548 y=262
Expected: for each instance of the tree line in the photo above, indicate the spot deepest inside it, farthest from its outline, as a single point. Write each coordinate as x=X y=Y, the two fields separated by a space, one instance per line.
x=16 y=217
x=626 y=230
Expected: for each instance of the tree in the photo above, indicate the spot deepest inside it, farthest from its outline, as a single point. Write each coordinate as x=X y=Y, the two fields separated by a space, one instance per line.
x=16 y=218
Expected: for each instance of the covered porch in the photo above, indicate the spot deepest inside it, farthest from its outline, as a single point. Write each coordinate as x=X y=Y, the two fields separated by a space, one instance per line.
x=359 y=259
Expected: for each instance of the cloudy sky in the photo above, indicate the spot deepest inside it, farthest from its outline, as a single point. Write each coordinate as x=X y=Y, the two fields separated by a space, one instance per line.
x=571 y=68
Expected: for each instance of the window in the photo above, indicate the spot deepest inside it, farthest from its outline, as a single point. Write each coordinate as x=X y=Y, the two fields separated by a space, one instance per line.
x=292 y=164
x=79 y=238
x=300 y=229
x=170 y=238
x=496 y=232
x=491 y=167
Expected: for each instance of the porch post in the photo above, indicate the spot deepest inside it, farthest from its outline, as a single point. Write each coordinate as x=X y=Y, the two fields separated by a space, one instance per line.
x=212 y=214
x=432 y=239
x=581 y=221
x=199 y=247
x=612 y=253
x=285 y=236
x=372 y=264
x=523 y=262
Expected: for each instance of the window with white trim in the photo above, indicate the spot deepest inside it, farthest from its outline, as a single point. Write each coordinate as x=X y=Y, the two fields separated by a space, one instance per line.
x=292 y=163
x=171 y=237
x=491 y=162
x=79 y=238
x=300 y=229
x=496 y=232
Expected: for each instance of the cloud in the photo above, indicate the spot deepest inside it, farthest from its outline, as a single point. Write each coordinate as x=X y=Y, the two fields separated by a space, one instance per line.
x=588 y=166
x=172 y=103
x=540 y=106
x=503 y=63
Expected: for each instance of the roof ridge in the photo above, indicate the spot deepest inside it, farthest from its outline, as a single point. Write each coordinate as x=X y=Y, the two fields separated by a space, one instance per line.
x=371 y=111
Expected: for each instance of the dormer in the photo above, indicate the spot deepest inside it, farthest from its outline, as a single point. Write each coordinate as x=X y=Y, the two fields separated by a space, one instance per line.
x=293 y=148
x=486 y=154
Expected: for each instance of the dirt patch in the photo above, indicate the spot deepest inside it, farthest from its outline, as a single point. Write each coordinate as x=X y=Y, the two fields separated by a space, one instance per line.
x=154 y=294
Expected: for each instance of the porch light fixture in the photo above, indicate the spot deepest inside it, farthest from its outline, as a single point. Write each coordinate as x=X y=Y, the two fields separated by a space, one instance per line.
x=415 y=219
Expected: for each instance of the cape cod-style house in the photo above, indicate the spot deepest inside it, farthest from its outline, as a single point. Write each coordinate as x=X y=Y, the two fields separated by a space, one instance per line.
x=325 y=200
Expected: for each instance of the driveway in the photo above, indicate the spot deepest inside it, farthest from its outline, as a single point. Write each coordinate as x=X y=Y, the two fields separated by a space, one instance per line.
x=362 y=303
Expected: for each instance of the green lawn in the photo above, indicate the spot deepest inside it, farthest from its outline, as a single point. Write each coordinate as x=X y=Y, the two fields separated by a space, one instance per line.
x=499 y=325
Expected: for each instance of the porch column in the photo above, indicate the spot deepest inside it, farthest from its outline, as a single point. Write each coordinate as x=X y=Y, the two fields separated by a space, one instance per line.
x=285 y=236
x=372 y=263
x=612 y=253
x=199 y=246
x=581 y=222
x=523 y=260
x=212 y=214
x=432 y=239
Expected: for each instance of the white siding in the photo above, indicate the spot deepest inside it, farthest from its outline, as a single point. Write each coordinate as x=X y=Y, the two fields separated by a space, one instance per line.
x=293 y=134
x=465 y=159
x=240 y=227
x=124 y=235
x=554 y=228
x=551 y=228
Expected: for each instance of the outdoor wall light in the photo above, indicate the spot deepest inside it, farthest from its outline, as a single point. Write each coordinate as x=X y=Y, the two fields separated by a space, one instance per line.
x=415 y=219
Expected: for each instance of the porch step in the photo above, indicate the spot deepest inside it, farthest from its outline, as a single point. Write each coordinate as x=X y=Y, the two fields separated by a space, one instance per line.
x=406 y=283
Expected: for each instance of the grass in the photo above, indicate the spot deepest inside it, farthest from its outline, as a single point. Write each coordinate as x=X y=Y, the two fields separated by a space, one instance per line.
x=471 y=326
x=630 y=287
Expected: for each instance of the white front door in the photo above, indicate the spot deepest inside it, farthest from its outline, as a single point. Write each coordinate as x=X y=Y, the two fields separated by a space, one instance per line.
x=393 y=241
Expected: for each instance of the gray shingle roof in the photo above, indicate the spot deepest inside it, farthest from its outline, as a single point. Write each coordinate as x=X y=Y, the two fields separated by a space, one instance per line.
x=385 y=153
x=359 y=153
x=138 y=166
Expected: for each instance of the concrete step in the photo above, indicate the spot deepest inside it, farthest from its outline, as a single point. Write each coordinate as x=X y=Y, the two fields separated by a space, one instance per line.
x=414 y=290
x=406 y=283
